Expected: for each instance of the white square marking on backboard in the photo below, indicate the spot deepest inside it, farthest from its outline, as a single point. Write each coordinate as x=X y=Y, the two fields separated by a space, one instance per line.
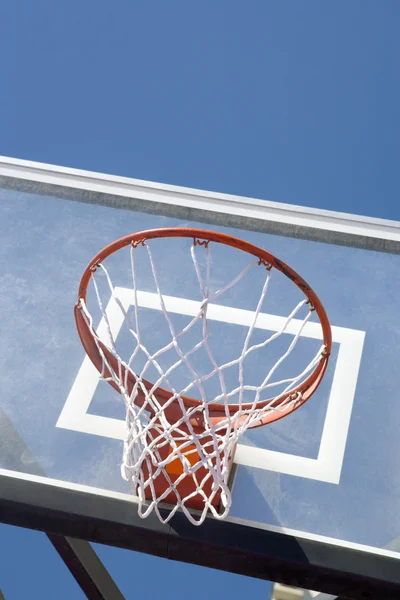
x=328 y=464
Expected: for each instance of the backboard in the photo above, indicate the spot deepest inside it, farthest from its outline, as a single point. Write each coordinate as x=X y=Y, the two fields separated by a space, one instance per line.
x=315 y=495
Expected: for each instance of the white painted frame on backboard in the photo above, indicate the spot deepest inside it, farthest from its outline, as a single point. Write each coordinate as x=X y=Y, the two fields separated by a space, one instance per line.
x=328 y=464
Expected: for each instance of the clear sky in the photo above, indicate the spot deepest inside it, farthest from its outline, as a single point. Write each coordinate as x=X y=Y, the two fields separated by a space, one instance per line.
x=287 y=100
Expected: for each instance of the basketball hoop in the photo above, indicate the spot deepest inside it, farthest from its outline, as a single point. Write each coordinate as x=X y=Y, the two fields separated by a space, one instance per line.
x=178 y=448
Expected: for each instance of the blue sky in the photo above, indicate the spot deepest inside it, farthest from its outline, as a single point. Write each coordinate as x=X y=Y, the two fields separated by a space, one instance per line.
x=291 y=101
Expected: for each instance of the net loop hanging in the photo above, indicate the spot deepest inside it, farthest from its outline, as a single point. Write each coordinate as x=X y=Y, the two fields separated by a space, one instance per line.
x=180 y=442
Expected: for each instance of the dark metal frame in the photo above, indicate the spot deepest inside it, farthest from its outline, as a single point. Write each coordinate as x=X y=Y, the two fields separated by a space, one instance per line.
x=228 y=546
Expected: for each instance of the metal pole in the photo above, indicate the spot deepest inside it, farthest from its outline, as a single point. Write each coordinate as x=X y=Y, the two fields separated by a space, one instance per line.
x=78 y=555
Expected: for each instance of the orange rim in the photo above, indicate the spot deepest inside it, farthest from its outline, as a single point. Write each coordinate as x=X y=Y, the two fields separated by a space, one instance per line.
x=217 y=412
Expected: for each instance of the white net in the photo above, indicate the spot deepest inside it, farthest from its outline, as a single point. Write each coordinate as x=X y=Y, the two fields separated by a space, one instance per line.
x=178 y=453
